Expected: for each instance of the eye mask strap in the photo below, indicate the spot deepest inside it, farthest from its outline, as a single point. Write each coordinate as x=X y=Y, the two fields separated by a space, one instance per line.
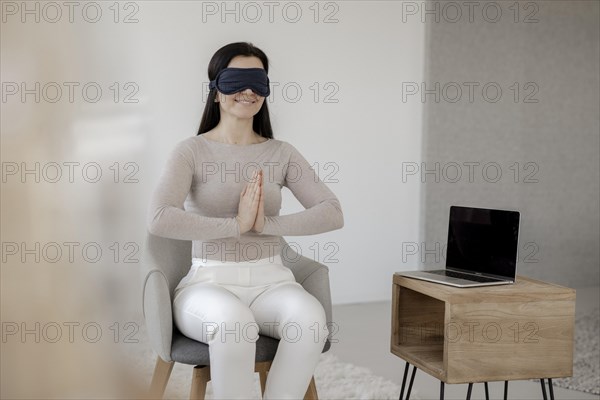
x=232 y=80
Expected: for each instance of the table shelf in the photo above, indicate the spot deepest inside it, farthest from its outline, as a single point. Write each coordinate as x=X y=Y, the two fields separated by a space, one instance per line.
x=426 y=357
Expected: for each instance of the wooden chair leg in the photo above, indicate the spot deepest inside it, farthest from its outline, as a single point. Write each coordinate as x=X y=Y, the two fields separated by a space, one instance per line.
x=160 y=378
x=262 y=368
x=311 y=392
x=200 y=378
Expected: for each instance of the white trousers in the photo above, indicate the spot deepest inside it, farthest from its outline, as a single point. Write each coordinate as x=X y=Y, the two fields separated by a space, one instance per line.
x=227 y=304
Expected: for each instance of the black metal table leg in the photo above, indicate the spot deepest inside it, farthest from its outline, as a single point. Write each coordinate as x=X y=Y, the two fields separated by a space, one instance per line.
x=543 y=389
x=505 y=390
x=404 y=380
x=441 y=390
x=412 y=379
x=487 y=393
x=469 y=391
x=551 y=388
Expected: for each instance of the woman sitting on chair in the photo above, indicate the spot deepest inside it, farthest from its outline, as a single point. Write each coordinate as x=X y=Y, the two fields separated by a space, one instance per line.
x=221 y=189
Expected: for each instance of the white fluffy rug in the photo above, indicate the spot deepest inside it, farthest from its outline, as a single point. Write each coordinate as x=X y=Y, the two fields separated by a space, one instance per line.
x=338 y=380
x=334 y=379
x=586 y=363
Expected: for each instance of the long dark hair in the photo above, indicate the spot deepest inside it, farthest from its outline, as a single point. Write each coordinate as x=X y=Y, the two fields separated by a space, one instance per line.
x=212 y=114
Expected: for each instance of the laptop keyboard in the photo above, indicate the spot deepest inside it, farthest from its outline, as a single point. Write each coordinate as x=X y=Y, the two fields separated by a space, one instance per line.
x=468 y=277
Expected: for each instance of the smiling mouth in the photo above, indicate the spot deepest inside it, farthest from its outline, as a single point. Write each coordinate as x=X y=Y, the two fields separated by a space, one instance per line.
x=242 y=101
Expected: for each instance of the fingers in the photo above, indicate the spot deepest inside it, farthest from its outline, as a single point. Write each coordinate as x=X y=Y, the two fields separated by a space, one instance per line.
x=250 y=195
x=259 y=218
x=260 y=183
x=250 y=200
x=260 y=191
x=261 y=197
x=256 y=182
x=253 y=188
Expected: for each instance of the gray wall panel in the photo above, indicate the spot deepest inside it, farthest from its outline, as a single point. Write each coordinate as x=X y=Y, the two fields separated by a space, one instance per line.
x=558 y=134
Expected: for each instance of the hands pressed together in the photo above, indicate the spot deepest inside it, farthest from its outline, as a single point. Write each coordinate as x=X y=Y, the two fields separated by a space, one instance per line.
x=251 y=210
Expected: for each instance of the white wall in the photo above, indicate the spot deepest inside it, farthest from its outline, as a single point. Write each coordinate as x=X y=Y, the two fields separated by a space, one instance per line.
x=163 y=57
x=365 y=134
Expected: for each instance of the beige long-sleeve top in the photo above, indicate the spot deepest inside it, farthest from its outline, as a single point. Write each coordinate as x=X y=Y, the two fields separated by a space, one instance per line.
x=198 y=194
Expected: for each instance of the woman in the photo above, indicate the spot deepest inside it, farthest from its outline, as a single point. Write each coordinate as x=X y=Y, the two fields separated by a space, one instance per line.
x=222 y=190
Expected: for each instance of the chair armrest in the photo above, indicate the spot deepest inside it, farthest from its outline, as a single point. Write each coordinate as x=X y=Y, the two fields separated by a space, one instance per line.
x=317 y=284
x=314 y=277
x=156 y=307
x=165 y=261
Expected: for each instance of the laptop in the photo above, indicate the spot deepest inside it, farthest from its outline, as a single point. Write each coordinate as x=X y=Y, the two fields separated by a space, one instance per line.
x=481 y=249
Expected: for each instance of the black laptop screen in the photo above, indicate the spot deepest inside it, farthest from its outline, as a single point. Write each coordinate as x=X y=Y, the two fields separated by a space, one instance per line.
x=483 y=240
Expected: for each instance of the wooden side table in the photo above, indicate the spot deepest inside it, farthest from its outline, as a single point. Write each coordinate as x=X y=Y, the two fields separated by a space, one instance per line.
x=493 y=333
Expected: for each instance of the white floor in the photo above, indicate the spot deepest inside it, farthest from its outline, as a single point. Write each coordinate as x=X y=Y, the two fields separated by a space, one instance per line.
x=364 y=340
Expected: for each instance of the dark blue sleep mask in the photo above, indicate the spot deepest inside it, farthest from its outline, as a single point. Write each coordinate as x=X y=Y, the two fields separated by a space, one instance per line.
x=233 y=80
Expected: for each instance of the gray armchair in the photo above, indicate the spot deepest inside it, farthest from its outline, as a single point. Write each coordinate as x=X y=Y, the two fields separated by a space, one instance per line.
x=164 y=263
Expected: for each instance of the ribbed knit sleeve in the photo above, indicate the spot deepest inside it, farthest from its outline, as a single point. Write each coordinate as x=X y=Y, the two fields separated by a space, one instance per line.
x=166 y=214
x=323 y=211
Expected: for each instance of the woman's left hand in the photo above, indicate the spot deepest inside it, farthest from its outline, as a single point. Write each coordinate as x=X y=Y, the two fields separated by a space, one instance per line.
x=259 y=223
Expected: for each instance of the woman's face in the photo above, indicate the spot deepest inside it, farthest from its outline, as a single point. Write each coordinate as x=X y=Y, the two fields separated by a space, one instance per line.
x=244 y=104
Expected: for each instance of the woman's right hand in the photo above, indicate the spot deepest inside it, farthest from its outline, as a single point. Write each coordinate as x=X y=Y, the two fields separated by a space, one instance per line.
x=249 y=199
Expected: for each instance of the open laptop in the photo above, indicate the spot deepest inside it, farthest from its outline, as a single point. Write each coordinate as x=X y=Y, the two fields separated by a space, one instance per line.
x=481 y=250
